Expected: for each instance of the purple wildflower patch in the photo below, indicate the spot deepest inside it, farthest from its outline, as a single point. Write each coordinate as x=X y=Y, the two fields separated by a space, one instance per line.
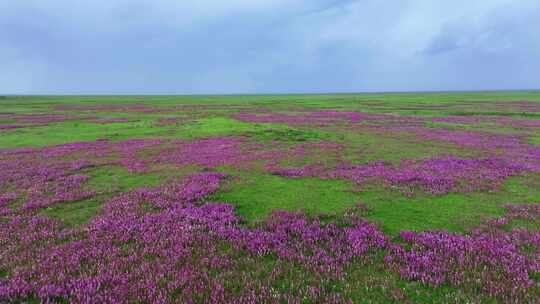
x=493 y=261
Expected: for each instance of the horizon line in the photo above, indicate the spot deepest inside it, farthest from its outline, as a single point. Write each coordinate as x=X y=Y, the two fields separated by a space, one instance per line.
x=537 y=90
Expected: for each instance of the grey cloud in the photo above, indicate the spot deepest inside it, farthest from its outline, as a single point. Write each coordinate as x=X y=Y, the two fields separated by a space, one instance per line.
x=250 y=46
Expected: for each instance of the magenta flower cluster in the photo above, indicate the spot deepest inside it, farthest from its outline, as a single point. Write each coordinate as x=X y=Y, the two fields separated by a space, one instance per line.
x=10 y=126
x=434 y=175
x=41 y=181
x=237 y=152
x=167 y=245
x=491 y=260
x=324 y=249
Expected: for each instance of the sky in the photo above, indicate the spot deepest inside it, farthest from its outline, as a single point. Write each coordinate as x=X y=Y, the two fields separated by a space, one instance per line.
x=267 y=46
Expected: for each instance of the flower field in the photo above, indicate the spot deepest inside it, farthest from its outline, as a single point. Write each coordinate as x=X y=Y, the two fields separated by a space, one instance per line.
x=374 y=198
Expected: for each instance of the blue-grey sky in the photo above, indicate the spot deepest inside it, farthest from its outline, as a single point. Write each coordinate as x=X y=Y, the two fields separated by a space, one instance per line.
x=267 y=46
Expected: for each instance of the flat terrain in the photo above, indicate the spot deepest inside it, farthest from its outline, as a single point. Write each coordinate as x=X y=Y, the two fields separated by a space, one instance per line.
x=368 y=198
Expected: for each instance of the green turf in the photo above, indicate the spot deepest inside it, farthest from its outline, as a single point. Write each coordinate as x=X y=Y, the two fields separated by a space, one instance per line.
x=118 y=179
x=216 y=126
x=535 y=139
x=255 y=196
x=396 y=146
x=73 y=131
x=76 y=213
x=456 y=212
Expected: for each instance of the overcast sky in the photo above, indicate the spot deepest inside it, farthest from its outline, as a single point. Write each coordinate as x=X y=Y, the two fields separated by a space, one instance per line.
x=267 y=46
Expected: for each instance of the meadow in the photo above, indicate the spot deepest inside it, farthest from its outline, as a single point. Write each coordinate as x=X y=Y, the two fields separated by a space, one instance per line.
x=344 y=198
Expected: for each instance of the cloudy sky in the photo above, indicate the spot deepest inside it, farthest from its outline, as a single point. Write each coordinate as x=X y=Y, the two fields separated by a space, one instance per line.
x=267 y=46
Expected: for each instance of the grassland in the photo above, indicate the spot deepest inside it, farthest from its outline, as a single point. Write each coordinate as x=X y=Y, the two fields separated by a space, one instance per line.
x=342 y=150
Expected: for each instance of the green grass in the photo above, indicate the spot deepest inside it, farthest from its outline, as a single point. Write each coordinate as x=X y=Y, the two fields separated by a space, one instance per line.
x=219 y=126
x=73 y=214
x=255 y=196
x=285 y=134
x=3 y=273
x=535 y=139
x=118 y=179
x=73 y=131
x=396 y=146
x=456 y=212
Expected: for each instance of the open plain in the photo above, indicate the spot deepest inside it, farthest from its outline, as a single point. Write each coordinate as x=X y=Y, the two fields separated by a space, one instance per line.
x=367 y=198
